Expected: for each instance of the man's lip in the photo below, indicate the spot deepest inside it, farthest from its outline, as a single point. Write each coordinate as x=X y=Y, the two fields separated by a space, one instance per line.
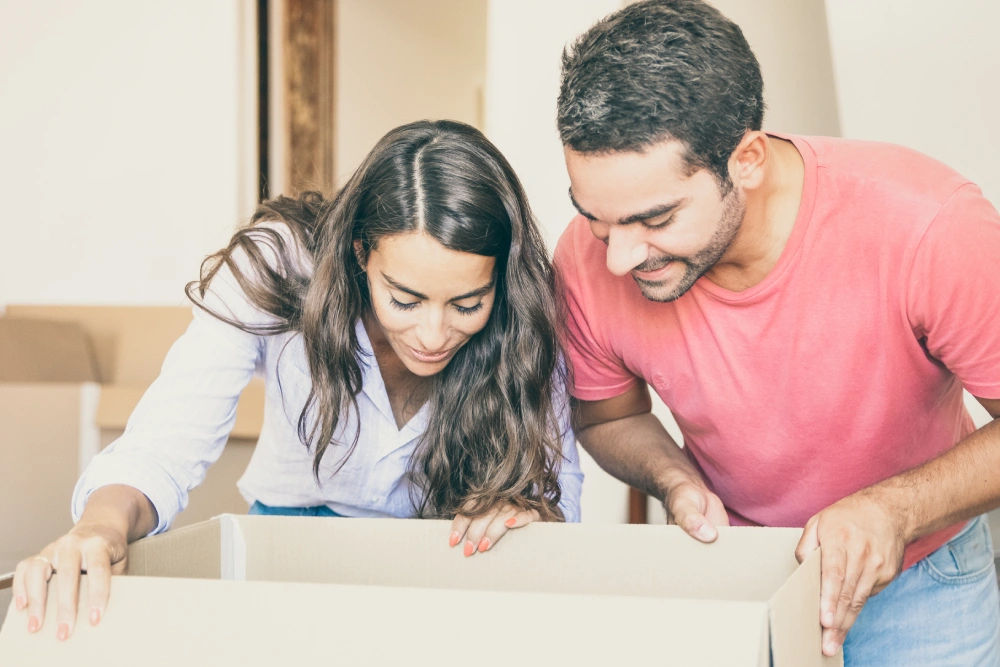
x=429 y=358
x=652 y=276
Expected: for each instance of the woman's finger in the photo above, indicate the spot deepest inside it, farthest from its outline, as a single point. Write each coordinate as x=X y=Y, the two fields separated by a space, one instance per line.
x=37 y=573
x=97 y=562
x=458 y=528
x=20 y=594
x=522 y=518
x=68 y=576
x=510 y=519
x=477 y=530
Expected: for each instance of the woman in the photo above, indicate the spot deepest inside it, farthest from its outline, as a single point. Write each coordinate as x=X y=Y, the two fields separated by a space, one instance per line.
x=406 y=333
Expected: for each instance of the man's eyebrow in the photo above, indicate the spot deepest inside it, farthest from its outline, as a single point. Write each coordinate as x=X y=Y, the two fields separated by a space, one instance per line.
x=468 y=295
x=648 y=214
x=580 y=210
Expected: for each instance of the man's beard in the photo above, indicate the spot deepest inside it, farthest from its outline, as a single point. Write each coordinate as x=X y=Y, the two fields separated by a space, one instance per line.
x=701 y=262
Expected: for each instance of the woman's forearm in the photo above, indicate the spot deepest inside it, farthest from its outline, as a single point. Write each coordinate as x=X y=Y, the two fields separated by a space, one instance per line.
x=124 y=508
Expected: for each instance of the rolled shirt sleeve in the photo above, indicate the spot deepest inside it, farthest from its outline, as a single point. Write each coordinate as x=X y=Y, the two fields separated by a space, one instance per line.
x=182 y=423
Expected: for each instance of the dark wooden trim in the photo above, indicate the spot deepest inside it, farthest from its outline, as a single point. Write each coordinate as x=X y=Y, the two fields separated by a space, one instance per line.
x=263 y=101
x=637 y=508
x=309 y=93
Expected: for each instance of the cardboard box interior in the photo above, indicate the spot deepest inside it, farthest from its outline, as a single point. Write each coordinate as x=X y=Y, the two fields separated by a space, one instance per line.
x=371 y=591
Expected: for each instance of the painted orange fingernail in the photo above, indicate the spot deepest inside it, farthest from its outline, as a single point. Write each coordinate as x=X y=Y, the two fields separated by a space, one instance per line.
x=33 y=624
x=63 y=632
x=19 y=603
x=95 y=616
x=511 y=522
x=455 y=537
x=484 y=544
x=470 y=548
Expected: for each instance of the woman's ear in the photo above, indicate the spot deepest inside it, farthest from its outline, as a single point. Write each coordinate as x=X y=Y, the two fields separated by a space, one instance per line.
x=359 y=252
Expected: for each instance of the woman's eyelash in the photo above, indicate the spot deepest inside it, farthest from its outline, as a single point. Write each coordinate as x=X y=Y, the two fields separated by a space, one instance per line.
x=469 y=311
x=403 y=306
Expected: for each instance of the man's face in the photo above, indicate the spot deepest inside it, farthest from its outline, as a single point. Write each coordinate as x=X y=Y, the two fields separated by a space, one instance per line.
x=661 y=223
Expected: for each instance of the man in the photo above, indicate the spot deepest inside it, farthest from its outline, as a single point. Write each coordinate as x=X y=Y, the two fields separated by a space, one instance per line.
x=810 y=310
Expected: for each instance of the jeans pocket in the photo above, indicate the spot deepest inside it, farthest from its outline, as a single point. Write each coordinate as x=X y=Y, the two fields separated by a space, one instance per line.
x=966 y=557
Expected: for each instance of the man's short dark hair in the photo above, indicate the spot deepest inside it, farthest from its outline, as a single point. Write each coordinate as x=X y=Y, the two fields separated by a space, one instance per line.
x=658 y=70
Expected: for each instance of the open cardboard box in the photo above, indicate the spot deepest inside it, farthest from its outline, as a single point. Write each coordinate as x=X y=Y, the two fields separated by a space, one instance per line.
x=264 y=590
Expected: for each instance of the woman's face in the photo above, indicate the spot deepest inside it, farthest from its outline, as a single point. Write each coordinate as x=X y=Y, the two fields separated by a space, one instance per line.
x=429 y=300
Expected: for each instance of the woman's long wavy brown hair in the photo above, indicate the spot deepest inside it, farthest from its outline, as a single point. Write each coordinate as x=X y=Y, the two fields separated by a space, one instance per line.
x=493 y=434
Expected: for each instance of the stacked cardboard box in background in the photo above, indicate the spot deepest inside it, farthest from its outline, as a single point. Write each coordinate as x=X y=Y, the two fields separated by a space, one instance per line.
x=69 y=379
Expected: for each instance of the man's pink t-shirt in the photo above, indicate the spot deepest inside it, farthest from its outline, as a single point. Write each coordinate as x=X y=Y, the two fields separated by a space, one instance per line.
x=843 y=367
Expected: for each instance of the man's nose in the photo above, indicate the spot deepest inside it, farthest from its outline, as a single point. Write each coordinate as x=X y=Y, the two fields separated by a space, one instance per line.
x=625 y=250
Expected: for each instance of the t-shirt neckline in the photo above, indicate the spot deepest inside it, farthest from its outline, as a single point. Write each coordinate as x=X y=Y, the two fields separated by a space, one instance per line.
x=794 y=244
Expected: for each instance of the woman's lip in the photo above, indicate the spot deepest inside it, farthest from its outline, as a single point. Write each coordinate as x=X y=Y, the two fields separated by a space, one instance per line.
x=653 y=276
x=429 y=358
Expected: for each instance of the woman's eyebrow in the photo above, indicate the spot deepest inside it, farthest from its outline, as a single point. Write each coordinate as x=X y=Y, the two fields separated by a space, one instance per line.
x=468 y=295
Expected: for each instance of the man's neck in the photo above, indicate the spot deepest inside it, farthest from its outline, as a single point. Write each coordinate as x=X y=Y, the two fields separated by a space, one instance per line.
x=771 y=211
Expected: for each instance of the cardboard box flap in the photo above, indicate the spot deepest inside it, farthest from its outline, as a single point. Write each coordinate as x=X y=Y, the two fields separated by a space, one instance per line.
x=161 y=622
x=117 y=403
x=40 y=351
x=745 y=564
x=193 y=552
x=796 y=634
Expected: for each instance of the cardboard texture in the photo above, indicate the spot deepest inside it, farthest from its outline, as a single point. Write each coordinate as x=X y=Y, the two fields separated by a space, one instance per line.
x=381 y=592
x=69 y=379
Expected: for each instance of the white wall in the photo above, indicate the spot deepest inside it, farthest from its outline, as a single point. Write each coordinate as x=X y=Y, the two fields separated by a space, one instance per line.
x=122 y=144
x=524 y=41
x=924 y=74
x=399 y=61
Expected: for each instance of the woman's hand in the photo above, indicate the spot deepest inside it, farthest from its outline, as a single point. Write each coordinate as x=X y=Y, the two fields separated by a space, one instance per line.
x=96 y=549
x=482 y=532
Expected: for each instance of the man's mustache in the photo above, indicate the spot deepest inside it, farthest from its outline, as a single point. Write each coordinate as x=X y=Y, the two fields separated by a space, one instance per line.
x=656 y=263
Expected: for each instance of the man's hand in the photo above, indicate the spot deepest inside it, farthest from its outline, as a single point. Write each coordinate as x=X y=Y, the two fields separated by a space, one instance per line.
x=863 y=541
x=697 y=510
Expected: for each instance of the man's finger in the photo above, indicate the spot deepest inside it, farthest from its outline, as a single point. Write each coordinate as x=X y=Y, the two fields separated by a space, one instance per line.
x=846 y=597
x=834 y=571
x=832 y=641
x=862 y=592
x=809 y=542
x=688 y=516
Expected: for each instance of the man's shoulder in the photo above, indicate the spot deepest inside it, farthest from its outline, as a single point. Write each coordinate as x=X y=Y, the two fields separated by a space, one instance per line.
x=886 y=170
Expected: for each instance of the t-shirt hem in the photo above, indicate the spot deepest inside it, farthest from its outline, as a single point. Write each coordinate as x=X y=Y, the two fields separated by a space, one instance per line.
x=924 y=547
x=601 y=393
x=988 y=391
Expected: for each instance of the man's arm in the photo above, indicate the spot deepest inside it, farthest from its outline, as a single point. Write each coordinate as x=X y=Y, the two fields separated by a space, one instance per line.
x=864 y=535
x=628 y=441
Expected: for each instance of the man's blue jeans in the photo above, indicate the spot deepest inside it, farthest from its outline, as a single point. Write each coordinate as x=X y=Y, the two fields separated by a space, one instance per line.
x=942 y=612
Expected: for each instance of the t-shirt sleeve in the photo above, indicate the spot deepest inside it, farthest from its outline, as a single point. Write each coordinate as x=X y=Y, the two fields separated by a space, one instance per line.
x=953 y=292
x=595 y=373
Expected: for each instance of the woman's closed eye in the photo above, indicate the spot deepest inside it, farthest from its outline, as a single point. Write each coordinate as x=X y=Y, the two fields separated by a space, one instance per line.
x=410 y=305
x=469 y=310
x=400 y=305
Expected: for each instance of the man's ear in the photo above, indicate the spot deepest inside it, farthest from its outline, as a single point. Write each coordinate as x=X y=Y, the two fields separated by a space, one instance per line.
x=359 y=252
x=746 y=166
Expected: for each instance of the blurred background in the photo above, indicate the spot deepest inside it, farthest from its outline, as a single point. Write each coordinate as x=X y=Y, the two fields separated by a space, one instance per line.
x=134 y=136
